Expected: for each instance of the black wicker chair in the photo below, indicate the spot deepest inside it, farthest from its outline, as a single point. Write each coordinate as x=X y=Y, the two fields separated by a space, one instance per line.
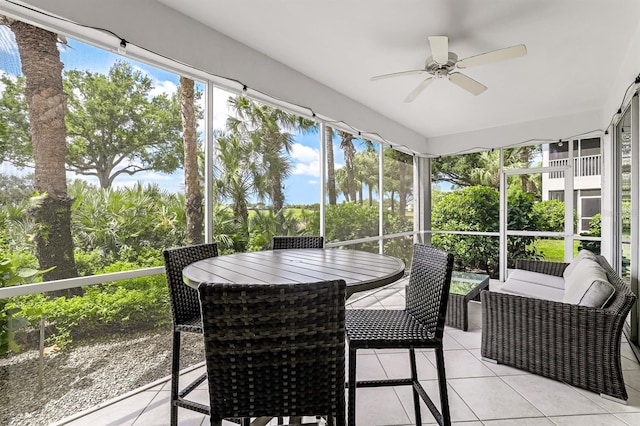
x=419 y=325
x=275 y=350
x=185 y=309
x=297 y=242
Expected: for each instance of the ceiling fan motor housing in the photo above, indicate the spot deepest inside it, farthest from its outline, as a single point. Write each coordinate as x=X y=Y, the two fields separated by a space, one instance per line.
x=441 y=70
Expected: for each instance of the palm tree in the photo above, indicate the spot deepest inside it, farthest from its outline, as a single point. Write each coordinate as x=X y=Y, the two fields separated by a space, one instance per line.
x=46 y=102
x=192 y=192
x=235 y=174
x=366 y=165
x=270 y=131
x=331 y=167
x=346 y=144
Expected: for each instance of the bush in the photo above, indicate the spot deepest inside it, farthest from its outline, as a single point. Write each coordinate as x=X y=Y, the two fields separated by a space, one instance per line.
x=549 y=216
x=475 y=208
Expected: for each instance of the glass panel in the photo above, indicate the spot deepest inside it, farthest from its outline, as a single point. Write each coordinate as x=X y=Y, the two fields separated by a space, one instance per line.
x=472 y=253
x=530 y=247
x=266 y=175
x=526 y=211
x=352 y=187
x=590 y=207
x=398 y=191
x=524 y=157
x=626 y=191
x=121 y=187
x=463 y=282
x=112 y=339
x=590 y=147
x=400 y=247
x=626 y=262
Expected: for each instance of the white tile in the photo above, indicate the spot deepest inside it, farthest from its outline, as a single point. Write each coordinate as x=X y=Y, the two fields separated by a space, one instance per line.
x=533 y=421
x=632 y=405
x=588 y=420
x=490 y=398
x=471 y=339
x=460 y=412
x=629 y=418
x=461 y=363
x=379 y=406
x=551 y=397
x=449 y=343
x=499 y=369
x=396 y=366
x=122 y=413
x=369 y=368
x=158 y=412
x=632 y=378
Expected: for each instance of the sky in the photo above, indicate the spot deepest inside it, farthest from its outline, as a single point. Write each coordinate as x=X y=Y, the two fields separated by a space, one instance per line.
x=303 y=185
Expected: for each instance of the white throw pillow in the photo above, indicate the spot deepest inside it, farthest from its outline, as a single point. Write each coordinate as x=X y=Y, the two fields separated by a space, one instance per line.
x=581 y=279
x=582 y=254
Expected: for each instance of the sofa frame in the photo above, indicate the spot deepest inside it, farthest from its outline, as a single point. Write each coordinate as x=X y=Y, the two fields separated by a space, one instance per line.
x=574 y=344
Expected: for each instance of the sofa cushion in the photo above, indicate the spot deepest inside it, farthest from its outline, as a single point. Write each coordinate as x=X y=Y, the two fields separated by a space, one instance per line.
x=537 y=278
x=581 y=281
x=582 y=254
x=598 y=294
x=531 y=289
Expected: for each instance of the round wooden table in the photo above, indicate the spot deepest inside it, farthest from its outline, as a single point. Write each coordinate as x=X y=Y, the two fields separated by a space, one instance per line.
x=360 y=269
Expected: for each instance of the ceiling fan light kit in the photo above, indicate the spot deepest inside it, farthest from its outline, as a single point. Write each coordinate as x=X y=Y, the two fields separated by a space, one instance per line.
x=443 y=63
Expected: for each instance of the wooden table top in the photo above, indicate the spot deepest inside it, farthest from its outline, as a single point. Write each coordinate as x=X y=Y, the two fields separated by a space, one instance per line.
x=361 y=270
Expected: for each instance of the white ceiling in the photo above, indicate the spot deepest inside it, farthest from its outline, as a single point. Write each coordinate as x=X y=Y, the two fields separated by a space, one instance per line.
x=574 y=48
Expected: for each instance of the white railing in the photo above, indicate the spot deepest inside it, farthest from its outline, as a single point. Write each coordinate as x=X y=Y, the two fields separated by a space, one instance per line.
x=588 y=165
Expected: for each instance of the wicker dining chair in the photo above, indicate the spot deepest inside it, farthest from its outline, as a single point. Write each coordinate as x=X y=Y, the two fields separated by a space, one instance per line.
x=419 y=325
x=275 y=349
x=297 y=242
x=185 y=309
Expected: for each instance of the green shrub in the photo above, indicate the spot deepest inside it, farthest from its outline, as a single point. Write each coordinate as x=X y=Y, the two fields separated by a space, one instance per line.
x=549 y=216
x=139 y=303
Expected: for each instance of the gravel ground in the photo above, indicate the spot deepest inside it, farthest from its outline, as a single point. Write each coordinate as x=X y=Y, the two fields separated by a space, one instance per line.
x=85 y=375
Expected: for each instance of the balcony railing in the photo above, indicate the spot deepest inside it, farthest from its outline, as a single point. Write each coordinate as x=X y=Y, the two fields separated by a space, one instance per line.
x=588 y=165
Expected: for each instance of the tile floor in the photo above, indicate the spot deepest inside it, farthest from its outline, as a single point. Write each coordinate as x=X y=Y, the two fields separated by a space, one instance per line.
x=480 y=393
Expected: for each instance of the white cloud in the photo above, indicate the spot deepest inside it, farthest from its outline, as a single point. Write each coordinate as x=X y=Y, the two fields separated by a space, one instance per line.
x=304 y=153
x=312 y=182
x=165 y=87
x=306 y=159
x=310 y=169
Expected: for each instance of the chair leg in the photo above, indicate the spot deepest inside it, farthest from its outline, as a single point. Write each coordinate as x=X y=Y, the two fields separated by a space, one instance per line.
x=442 y=384
x=175 y=377
x=351 y=421
x=414 y=379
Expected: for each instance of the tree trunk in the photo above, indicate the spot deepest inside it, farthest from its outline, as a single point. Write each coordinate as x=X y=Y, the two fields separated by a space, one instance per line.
x=192 y=193
x=331 y=172
x=361 y=191
x=46 y=100
x=402 y=190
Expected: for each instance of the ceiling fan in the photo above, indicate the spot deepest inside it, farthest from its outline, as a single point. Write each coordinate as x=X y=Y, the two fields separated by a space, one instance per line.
x=442 y=63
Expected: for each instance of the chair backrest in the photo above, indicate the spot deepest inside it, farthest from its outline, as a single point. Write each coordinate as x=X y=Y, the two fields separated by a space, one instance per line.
x=274 y=349
x=184 y=299
x=428 y=288
x=297 y=242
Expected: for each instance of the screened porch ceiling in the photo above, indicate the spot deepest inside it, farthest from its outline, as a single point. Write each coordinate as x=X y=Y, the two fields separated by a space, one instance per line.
x=575 y=54
x=320 y=56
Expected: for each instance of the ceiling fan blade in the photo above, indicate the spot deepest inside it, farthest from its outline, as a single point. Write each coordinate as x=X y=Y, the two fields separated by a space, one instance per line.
x=493 y=56
x=467 y=83
x=414 y=94
x=439 y=49
x=396 y=74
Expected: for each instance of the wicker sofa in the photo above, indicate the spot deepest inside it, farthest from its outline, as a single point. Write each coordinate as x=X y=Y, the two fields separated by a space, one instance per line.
x=575 y=344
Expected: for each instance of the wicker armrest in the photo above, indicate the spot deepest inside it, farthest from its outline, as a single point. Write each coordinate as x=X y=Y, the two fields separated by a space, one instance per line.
x=542 y=266
x=575 y=344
